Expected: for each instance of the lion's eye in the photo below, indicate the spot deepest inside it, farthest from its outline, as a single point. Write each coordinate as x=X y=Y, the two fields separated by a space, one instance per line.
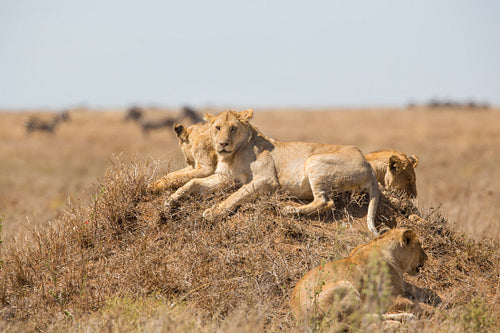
x=233 y=129
x=217 y=128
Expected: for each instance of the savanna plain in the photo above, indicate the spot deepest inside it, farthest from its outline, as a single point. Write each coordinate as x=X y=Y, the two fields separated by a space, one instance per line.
x=84 y=247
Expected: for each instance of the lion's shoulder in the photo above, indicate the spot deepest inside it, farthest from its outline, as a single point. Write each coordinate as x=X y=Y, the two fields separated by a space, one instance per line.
x=200 y=144
x=198 y=132
x=384 y=156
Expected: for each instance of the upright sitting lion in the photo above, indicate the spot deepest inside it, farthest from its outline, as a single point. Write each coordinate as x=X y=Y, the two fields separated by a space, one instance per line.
x=344 y=286
x=198 y=152
x=258 y=163
x=395 y=170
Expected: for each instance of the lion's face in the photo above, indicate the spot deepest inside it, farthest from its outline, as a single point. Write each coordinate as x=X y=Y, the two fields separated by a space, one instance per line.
x=229 y=131
x=407 y=251
x=400 y=174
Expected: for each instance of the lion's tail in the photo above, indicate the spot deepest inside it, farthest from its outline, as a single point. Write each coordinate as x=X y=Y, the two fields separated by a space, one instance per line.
x=373 y=193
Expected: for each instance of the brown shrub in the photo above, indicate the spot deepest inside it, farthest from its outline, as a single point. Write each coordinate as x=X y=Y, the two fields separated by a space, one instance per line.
x=123 y=244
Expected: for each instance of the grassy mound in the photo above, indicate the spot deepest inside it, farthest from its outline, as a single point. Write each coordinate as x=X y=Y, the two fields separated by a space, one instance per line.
x=120 y=261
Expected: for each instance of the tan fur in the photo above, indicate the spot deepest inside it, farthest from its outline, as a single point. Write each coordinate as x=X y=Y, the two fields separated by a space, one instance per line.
x=200 y=157
x=395 y=170
x=341 y=283
x=258 y=164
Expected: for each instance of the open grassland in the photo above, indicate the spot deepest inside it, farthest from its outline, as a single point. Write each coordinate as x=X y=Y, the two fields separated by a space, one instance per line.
x=102 y=254
x=458 y=151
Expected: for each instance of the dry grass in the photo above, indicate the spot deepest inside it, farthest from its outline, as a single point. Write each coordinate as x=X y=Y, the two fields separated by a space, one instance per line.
x=115 y=260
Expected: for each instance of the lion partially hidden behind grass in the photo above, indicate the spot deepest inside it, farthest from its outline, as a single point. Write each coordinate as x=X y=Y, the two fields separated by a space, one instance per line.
x=368 y=281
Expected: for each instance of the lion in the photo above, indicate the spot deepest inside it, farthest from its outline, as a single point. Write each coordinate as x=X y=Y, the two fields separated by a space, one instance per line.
x=199 y=154
x=370 y=273
x=258 y=163
x=395 y=170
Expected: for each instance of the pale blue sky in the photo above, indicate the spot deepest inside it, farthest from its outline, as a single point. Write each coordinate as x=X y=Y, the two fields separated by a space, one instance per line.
x=61 y=53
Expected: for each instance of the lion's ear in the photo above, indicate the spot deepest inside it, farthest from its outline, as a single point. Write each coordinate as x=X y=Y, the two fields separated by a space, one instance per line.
x=209 y=117
x=245 y=115
x=395 y=165
x=407 y=237
x=180 y=131
x=414 y=160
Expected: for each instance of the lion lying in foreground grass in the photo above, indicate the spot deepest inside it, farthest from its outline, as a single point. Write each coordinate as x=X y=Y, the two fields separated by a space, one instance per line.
x=370 y=280
x=259 y=164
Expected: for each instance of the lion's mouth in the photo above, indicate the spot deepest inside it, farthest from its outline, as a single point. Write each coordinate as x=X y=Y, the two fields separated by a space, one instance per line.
x=419 y=268
x=224 y=151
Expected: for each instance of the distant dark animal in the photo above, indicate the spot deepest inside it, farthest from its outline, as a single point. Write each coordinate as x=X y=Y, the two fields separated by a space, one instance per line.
x=134 y=113
x=193 y=115
x=64 y=115
x=35 y=123
x=472 y=105
x=151 y=124
x=450 y=104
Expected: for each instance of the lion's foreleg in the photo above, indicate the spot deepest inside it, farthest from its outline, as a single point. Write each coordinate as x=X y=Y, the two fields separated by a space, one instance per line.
x=258 y=184
x=426 y=296
x=173 y=180
x=181 y=177
x=199 y=186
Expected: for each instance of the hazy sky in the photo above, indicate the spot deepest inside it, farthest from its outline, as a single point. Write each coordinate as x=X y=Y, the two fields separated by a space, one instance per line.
x=61 y=53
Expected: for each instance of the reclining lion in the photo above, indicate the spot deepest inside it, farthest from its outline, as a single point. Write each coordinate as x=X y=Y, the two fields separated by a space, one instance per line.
x=371 y=272
x=199 y=154
x=395 y=170
x=258 y=163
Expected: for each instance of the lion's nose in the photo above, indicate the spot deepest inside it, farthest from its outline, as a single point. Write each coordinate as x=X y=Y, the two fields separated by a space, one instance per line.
x=224 y=144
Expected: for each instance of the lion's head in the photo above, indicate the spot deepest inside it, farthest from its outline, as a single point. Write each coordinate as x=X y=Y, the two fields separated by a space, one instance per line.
x=400 y=173
x=403 y=249
x=229 y=131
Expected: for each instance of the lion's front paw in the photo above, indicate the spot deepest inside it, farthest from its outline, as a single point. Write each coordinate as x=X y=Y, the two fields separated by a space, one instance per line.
x=414 y=218
x=156 y=187
x=171 y=204
x=210 y=214
x=289 y=211
x=213 y=213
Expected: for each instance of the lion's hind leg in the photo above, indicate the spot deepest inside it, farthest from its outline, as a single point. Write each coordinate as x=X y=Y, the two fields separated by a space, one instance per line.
x=339 y=299
x=317 y=169
x=315 y=207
